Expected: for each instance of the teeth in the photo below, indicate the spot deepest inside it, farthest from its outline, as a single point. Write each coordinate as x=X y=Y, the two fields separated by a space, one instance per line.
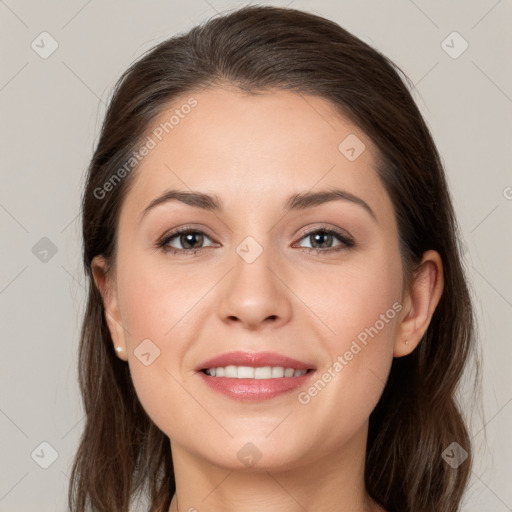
x=248 y=372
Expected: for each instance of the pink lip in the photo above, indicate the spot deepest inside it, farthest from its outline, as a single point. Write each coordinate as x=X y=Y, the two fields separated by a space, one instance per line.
x=254 y=359
x=252 y=390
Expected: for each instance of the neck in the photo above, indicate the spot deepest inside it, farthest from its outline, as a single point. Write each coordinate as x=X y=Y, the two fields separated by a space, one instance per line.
x=331 y=483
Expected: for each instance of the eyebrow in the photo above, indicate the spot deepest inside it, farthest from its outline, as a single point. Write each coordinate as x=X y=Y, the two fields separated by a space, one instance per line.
x=295 y=202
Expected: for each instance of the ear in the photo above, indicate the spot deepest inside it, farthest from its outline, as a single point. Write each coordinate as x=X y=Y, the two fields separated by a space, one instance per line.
x=420 y=302
x=107 y=289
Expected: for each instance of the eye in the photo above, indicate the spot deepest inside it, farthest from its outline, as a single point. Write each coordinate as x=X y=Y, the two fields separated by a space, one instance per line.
x=190 y=240
x=321 y=240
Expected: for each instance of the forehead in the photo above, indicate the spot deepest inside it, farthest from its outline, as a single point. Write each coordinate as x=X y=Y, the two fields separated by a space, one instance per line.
x=247 y=147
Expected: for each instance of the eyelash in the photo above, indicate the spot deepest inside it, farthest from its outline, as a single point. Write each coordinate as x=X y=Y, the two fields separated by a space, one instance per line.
x=346 y=242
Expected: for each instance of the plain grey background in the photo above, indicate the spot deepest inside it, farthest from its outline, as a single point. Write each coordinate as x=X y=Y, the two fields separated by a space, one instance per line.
x=52 y=106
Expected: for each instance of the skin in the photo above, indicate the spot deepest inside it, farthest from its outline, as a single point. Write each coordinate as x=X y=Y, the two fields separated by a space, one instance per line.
x=254 y=151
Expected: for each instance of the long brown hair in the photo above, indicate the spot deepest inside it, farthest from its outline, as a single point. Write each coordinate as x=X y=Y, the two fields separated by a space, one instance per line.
x=121 y=452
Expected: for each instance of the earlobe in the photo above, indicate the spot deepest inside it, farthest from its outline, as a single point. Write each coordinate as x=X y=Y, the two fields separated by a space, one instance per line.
x=108 y=293
x=422 y=299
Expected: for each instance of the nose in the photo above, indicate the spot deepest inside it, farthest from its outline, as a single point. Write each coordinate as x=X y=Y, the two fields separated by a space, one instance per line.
x=255 y=294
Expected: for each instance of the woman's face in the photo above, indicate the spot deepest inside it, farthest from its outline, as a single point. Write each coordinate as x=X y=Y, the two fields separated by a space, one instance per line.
x=255 y=284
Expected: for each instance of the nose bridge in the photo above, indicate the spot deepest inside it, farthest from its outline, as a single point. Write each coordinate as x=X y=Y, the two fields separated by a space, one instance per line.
x=253 y=293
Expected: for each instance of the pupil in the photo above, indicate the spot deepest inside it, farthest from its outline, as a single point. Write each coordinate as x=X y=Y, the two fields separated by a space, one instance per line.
x=187 y=240
x=327 y=238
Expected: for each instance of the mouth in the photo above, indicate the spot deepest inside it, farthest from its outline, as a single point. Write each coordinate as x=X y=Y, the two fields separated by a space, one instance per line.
x=247 y=376
x=246 y=363
x=258 y=373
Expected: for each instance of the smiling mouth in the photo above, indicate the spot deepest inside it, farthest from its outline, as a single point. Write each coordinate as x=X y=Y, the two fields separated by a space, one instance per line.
x=257 y=373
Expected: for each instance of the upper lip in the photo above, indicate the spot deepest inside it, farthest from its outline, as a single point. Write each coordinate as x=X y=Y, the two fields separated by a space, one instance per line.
x=254 y=359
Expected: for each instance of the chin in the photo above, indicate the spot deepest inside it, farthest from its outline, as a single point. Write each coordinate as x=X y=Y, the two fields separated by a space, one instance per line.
x=256 y=454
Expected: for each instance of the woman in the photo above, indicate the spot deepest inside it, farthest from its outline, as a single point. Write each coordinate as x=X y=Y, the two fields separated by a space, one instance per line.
x=278 y=317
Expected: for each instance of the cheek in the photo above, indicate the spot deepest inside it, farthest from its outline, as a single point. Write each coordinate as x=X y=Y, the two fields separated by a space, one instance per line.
x=155 y=297
x=353 y=297
x=158 y=303
x=360 y=304
x=151 y=310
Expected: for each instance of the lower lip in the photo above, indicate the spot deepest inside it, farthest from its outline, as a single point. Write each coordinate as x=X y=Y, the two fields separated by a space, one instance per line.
x=254 y=390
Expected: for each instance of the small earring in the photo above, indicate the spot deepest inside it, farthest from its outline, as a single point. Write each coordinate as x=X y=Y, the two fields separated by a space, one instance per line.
x=119 y=349
x=406 y=342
